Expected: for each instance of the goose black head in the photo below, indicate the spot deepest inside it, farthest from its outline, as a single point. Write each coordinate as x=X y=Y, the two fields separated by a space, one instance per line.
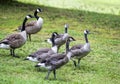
x=25 y=20
x=66 y=28
x=39 y=10
x=86 y=32
x=49 y=40
x=70 y=38
x=55 y=33
x=29 y=16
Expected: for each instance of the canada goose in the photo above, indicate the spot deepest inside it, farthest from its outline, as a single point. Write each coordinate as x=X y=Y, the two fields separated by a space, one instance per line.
x=81 y=50
x=43 y=52
x=61 y=38
x=15 y=40
x=34 y=26
x=56 y=60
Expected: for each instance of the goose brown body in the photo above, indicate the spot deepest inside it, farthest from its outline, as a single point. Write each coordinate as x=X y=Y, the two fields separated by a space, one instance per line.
x=56 y=61
x=35 y=26
x=42 y=53
x=17 y=40
x=81 y=50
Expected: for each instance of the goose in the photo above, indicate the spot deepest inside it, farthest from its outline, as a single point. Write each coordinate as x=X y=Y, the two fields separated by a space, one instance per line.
x=17 y=40
x=34 y=26
x=56 y=60
x=61 y=38
x=81 y=50
x=43 y=52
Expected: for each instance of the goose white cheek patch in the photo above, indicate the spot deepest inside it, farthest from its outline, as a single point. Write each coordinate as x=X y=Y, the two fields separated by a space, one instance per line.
x=49 y=41
x=38 y=10
x=85 y=32
x=28 y=17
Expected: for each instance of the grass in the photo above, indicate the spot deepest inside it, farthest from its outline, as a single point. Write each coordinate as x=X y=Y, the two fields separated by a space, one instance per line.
x=102 y=65
x=100 y=6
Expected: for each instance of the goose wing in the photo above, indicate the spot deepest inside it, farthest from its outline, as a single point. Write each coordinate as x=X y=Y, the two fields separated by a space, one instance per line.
x=32 y=23
x=28 y=24
x=59 y=36
x=55 y=59
x=40 y=51
x=14 y=40
x=43 y=50
x=76 y=47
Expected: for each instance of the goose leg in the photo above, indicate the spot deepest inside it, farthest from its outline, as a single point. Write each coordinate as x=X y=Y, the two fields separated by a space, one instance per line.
x=79 y=62
x=13 y=53
x=74 y=62
x=48 y=74
x=54 y=72
x=29 y=37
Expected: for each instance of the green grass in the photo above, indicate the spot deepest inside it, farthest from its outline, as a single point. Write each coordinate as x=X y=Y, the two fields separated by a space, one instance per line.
x=101 y=66
x=100 y=6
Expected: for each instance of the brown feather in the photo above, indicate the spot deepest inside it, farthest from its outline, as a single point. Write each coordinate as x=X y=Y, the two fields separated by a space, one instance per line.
x=15 y=40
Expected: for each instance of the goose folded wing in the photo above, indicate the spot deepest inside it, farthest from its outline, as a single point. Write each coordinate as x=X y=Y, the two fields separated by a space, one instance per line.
x=55 y=57
x=15 y=40
x=77 y=52
x=59 y=41
x=59 y=36
x=57 y=63
x=56 y=60
x=11 y=39
x=42 y=50
x=32 y=23
x=76 y=47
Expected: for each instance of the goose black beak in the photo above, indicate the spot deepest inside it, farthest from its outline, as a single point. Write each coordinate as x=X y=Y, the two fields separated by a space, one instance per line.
x=33 y=17
x=45 y=40
x=37 y=66
x=26 y=59
x=15 y=30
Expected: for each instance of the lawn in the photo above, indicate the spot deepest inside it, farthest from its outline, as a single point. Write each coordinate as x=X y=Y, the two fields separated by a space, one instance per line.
x=100 y=6
x=101 y=66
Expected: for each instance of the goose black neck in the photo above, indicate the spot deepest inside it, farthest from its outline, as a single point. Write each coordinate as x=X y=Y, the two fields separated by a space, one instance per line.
x=67 y=46
x=53 y=40
x=86 y=39
x=35 y=14
x=66 y=30
x=23 y=25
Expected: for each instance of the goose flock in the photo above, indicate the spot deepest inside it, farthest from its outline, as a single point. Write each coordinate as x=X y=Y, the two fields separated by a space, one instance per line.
x=48 y=58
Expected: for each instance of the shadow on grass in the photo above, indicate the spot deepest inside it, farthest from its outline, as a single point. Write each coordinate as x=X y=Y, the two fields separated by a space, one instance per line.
x=96 y=19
